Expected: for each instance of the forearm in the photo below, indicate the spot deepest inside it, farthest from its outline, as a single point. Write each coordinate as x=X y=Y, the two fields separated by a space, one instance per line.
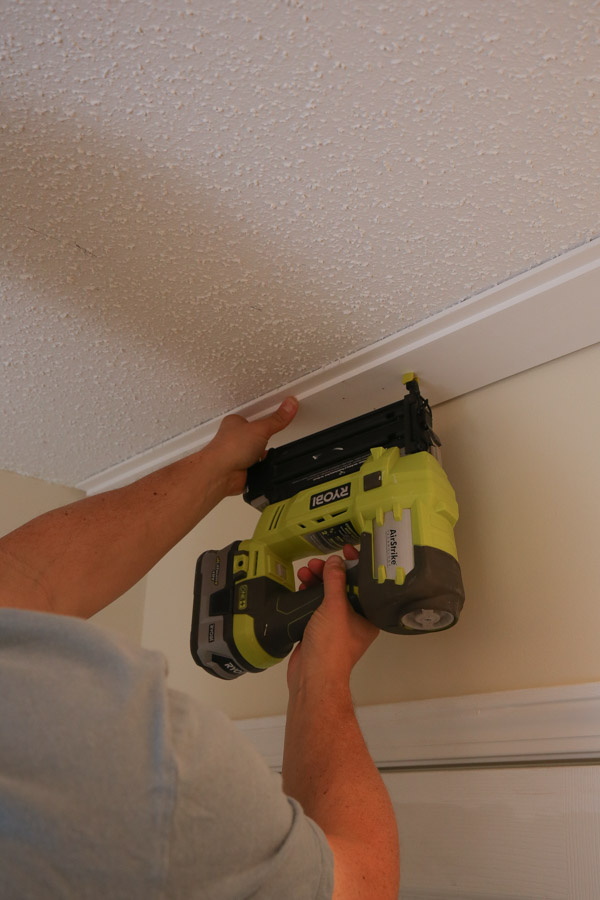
x=329 y=770
x=79 y=558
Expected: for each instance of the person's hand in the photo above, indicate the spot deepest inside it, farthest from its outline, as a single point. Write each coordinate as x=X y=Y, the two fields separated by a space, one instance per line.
x=238 y=444
x=336 y=637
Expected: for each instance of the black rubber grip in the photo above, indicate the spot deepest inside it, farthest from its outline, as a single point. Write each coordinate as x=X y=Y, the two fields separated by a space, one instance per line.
x=308 y=601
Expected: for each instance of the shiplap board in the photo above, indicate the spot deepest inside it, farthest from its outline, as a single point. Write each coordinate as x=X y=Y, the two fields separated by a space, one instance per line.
x=543 y=314
x=506 y=727
x=475 y=823
x=502 y=834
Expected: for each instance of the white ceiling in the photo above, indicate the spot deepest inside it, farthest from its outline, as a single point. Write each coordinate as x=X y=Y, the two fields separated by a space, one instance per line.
x=202 y=201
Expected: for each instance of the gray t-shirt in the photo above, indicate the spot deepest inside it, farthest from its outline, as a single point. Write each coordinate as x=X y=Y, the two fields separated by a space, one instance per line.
x=114 y=786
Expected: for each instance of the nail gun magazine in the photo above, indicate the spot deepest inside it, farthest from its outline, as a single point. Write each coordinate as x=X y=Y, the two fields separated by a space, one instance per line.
x=375 y=482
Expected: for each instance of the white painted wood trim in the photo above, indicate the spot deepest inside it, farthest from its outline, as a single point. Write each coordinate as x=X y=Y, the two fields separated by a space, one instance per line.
x=538 y=316
x=537 y=725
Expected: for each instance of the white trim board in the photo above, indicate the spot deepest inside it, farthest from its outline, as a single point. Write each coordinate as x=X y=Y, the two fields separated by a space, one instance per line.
x=536 y=725
x=538 y=316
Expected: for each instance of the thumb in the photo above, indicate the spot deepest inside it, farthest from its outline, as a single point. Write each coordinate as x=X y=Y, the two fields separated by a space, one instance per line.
x=280 y=419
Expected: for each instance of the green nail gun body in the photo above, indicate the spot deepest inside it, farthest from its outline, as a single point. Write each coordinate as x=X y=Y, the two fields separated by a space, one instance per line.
x=374 y=481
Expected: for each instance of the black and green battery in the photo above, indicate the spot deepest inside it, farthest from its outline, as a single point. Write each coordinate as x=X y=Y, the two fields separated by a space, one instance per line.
x=375 y=482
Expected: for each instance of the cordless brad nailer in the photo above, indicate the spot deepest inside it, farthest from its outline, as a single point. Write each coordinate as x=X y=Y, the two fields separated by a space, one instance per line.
x=374 y=481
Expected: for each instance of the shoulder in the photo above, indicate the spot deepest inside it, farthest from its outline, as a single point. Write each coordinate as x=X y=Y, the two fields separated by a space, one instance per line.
x=232 y=820
x=141 y=772
x=85 y=741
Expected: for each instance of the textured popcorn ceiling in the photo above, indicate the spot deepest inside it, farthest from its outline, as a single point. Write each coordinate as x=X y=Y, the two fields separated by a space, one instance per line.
x=204 y=200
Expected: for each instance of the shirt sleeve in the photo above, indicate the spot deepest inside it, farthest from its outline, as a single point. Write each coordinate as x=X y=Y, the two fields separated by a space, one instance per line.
x=234 y=833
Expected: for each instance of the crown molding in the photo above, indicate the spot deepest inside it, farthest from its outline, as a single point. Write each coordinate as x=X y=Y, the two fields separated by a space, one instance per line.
x=532 y=726
x=540 y=315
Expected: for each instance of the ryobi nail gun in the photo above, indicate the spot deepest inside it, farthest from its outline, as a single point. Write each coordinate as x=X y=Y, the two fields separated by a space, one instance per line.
x=374 y=480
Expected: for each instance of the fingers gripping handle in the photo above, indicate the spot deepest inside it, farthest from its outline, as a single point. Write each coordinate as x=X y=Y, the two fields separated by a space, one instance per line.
x=299 y=606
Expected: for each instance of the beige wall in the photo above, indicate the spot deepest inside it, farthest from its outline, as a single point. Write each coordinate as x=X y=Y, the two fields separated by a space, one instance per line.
x=21 y=499
x=523 y=457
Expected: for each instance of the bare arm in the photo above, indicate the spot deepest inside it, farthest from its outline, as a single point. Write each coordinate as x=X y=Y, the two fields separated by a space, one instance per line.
x=77 y=559
x=326 y=764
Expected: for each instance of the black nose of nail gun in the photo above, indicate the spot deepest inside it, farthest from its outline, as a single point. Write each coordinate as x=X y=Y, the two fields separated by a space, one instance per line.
x=374 y=481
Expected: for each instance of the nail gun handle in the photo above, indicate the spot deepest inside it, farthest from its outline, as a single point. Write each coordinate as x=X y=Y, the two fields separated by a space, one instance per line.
x=304 y=603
